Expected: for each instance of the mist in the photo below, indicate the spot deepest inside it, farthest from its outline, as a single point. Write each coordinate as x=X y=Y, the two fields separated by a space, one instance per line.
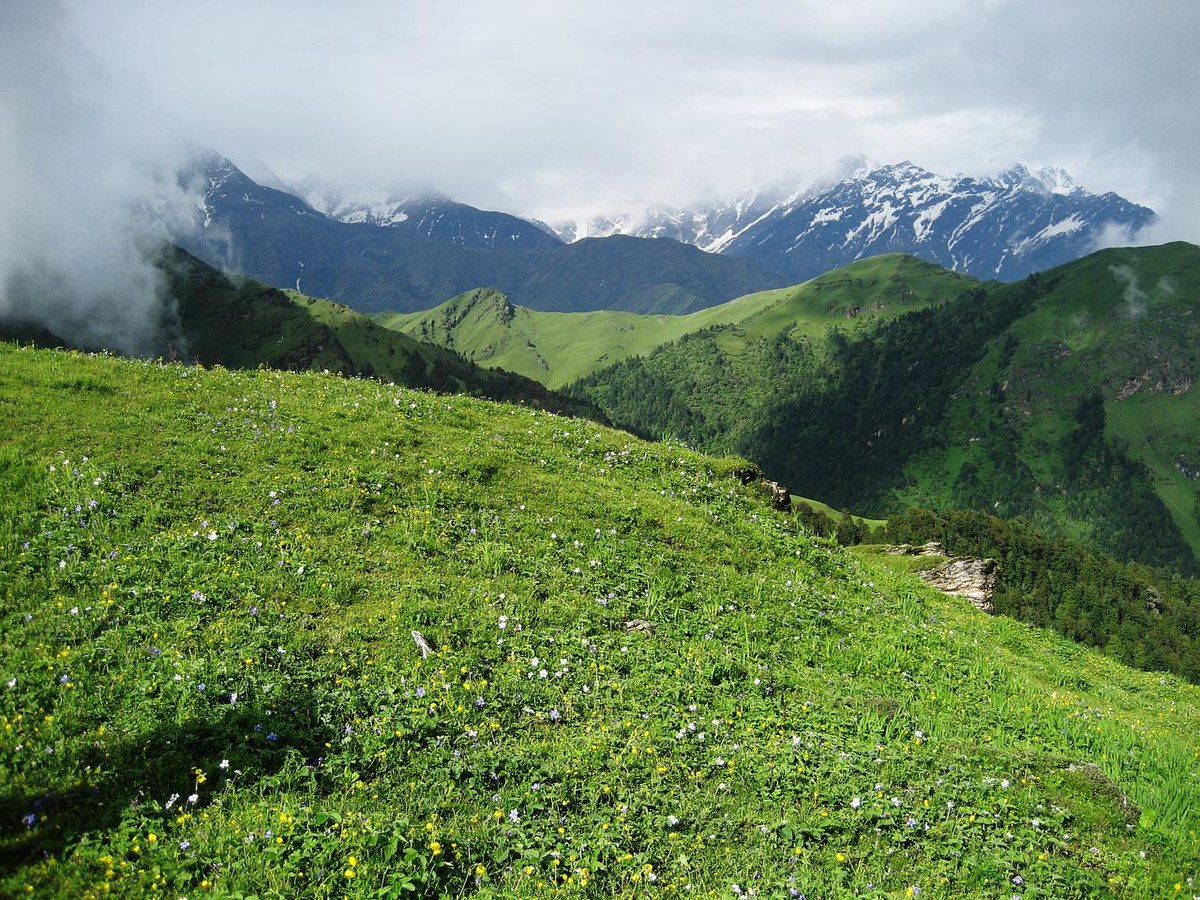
x=88 y=192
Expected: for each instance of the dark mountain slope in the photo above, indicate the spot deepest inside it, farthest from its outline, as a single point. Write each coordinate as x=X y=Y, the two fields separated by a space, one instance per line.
x=278 y=238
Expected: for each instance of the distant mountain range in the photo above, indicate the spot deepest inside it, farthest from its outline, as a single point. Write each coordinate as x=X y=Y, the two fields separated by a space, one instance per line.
x=411 y=254
x=413 y=251
x=1001 y=228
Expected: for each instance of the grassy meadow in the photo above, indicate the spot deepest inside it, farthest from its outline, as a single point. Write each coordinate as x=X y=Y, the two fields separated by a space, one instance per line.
x=557 y=348
x=637 y=679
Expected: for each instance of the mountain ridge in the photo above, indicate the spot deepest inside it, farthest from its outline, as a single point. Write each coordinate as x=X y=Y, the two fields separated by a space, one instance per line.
x=441 y=251
x=1004 y=227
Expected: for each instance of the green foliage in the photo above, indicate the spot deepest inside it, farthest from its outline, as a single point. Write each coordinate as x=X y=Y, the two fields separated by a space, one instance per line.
x=557 y=348
x=1144 y=617
x=248 y=325
x=1066 y=398
x=209 y=684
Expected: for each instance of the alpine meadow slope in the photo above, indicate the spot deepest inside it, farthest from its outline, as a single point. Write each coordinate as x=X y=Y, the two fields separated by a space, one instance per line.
x=297 y=635
x=558 y=348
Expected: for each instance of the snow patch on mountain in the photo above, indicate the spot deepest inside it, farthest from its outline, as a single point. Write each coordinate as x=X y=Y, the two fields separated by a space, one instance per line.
x=1007 y=226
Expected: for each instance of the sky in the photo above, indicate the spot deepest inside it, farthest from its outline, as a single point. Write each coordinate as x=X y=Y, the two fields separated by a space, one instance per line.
x=550 y=107
x=559 y=110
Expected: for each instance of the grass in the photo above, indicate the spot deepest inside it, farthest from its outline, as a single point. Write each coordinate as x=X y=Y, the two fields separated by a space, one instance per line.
x=559 y=348
x=210 y=686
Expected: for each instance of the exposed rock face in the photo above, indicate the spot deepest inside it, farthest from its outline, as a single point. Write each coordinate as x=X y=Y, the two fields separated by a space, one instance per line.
x=781 y=497
x=962 y=576
x=965 y=576
x=933 y=548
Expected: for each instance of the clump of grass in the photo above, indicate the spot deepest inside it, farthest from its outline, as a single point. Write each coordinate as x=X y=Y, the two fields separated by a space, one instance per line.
x=210 y=586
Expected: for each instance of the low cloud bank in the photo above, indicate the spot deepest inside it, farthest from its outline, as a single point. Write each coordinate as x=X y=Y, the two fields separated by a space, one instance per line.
x=88 y=192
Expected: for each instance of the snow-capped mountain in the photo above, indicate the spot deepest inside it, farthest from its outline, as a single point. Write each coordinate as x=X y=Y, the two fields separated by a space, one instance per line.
x=1005 y=227
x=414 y=253
x=429 y=215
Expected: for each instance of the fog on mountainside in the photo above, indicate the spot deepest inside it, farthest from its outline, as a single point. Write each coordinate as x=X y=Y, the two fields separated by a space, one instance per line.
x=89 y=186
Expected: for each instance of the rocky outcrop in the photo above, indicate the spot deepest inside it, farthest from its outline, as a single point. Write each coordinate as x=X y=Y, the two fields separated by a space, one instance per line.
x=933 y=548
x=962 y=576
x=781 y=497
x=965 y=576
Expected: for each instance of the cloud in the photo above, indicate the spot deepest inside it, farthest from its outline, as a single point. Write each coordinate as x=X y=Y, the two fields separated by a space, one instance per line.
x=87 y=188
x=541 y=107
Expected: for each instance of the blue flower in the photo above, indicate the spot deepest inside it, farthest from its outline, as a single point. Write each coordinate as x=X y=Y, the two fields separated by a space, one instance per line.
x=28 y=819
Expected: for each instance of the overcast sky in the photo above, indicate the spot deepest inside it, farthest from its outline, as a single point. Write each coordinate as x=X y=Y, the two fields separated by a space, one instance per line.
x=559 y=108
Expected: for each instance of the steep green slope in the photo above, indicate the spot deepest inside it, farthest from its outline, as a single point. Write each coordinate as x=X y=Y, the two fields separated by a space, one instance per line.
x=247 y=324
x=974 y=405
x=558 y=348
x=1120 y=329
x=640 y=679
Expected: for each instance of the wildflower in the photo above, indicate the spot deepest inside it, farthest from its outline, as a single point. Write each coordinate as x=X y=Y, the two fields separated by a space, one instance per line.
x=514 y=816
x=420 y=692
x=185 y=844
x=202 y=687
x=435 y=848
x=193 y=798
x=28 y=819
x=856 y=803
x=555 y=715
x=1018 y=880
x=272 y=737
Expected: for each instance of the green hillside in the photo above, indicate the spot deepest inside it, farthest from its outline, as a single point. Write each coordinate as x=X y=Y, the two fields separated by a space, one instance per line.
x=640 y=680
x=975 y=404
x=558 y=348
x=212 y=319
x=246 y=324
